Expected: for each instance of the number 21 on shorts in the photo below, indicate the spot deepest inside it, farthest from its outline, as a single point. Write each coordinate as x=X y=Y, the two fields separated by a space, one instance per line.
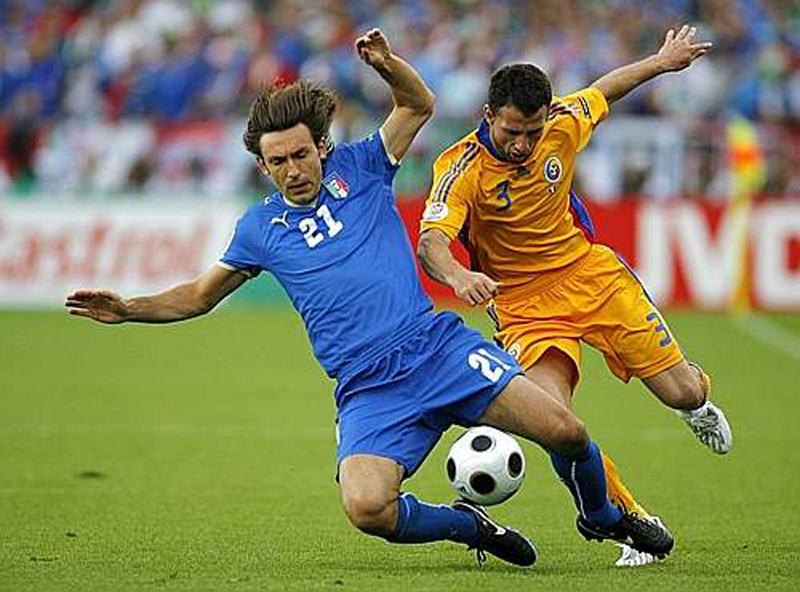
x=488 y=365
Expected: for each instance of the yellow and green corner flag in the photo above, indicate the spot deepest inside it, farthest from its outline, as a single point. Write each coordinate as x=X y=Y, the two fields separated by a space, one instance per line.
x=748 y=174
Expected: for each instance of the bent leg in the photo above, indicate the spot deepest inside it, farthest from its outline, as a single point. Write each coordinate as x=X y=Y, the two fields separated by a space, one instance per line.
x=370 y=491
x=369 y=486
x=527 y=410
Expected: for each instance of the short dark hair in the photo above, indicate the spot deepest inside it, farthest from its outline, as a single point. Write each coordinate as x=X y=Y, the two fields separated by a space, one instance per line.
x=282 y=106
x=524 y=86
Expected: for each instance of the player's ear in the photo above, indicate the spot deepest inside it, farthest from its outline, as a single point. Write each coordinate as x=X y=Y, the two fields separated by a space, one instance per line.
x=487 y=113
x=262 y=166
x=324 y=147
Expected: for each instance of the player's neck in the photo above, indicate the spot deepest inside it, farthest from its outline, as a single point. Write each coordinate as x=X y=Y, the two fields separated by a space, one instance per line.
x=292 y=204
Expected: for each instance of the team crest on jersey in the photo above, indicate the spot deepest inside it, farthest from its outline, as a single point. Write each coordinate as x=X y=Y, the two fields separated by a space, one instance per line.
x=435 y=211
x=553 y=169
x=337 y=186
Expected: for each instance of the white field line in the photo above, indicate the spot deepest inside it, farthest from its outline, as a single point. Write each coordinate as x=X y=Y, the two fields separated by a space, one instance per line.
x=770 y=333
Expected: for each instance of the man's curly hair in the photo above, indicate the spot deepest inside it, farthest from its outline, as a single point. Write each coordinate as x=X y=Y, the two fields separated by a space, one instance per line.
x=282 y=106
x=524 y=86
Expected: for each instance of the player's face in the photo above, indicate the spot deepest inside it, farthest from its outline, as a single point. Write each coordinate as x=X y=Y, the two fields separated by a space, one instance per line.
x=514 y=134
x=294 y=162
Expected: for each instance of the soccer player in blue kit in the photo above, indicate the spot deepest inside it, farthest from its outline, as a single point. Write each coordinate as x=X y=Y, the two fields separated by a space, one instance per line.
x=333 y=238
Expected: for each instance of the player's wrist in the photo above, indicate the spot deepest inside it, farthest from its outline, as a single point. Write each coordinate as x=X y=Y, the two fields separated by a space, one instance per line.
x=457 y=278
x=127 y=310
x=386 y=66
x=660 y=64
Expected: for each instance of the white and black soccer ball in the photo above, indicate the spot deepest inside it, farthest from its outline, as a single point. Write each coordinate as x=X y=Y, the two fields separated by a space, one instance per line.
x=486 y=466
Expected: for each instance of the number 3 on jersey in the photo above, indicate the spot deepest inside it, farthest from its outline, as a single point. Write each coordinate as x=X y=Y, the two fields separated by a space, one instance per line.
x=488 y=365
x=310 y=228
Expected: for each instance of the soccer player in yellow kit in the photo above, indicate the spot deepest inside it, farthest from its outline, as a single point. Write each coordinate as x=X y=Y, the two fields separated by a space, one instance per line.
x=504 y=190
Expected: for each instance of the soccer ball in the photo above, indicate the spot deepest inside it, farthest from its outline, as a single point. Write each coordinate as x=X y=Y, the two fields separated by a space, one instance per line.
x=486 y=466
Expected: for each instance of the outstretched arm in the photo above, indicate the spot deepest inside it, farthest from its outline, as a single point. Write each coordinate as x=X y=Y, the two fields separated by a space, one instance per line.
x=677 y=52
x=438 y=262
x=413 y=100
x=183 y=301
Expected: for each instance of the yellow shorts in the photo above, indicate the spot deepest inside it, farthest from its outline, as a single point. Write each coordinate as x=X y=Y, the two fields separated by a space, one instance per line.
x=597 y=300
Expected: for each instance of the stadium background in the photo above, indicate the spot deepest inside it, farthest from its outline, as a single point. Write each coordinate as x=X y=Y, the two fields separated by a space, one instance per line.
x=112 y=112
x=134 y=458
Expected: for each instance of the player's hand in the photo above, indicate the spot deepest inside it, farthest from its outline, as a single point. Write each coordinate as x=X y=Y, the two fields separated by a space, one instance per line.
x=678 y=51
x=373 y=48
x=475 y=288
x=101 y=305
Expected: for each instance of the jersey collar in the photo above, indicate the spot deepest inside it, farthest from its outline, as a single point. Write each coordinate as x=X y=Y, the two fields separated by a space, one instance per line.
x=295 y=206
x=485 y=138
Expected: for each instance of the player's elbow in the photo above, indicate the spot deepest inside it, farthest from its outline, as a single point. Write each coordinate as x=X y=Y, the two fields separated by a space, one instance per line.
x=428 y=104
x=422 y=245
x=430 y=243
x=424 y=105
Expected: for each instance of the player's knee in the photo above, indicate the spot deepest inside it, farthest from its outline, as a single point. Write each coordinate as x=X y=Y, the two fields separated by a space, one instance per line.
x=569 y=437
x=371 y=512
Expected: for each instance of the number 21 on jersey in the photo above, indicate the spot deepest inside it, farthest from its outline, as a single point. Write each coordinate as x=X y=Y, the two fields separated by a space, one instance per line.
x=311 y=230
x=487 y=364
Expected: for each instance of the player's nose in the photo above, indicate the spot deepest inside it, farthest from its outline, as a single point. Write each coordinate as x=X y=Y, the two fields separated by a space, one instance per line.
x=292 y=170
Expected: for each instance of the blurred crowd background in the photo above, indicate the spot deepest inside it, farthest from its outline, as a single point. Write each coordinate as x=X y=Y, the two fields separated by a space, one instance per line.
x=104 y=99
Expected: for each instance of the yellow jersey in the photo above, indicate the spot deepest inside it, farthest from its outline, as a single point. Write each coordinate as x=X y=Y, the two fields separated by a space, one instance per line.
x=517 y=220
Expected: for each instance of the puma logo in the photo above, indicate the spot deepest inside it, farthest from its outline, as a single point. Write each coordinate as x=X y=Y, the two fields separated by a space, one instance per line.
x=281 y=219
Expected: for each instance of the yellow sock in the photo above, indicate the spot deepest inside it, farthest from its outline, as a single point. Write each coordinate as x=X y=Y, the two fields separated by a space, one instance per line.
x=618 y=493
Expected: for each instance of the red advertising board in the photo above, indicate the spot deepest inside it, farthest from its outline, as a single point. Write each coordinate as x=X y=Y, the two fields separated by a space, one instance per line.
x=685 y=253
x=690 y=253
x=48 y=250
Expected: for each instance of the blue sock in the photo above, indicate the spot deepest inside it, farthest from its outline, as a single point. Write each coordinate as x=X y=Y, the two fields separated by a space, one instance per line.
x=418 y=522
x=586 y=479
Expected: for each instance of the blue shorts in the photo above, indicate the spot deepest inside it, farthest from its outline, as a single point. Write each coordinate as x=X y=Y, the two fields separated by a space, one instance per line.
x=399 y=406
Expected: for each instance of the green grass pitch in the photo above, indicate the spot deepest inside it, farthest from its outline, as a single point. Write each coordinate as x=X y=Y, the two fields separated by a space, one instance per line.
x=200 y=456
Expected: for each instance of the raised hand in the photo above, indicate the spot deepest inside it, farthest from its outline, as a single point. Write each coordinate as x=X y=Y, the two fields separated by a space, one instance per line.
x=678 y=51
x=373 y=48
x=100 y=305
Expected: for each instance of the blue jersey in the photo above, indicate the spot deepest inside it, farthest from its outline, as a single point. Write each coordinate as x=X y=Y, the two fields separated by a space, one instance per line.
x=346 y=262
